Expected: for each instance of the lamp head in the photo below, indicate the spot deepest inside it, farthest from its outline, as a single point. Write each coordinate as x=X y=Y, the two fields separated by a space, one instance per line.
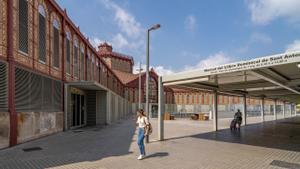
x=154 y=27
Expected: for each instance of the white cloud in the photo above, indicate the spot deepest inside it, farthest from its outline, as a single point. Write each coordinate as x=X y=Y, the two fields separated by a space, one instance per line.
x=295 y=46
x=265 y=11
x=119 y=41
x=261 y=38
x=211 y=61
x=160 y=70
x=124 y=19
x=95 y=42
x=130 y=37
x=190 y=23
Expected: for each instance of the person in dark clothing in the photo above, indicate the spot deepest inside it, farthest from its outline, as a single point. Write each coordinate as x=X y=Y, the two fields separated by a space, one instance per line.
x=238 y=118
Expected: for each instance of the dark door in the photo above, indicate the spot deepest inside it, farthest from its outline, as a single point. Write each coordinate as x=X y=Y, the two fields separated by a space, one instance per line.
x=78 y=110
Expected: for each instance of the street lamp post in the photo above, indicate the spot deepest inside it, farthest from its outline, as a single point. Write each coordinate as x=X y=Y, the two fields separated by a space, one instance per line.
x=154 y=27
x=140 y=85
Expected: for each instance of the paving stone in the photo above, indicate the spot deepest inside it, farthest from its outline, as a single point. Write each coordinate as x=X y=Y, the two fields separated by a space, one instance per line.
x=188 y=145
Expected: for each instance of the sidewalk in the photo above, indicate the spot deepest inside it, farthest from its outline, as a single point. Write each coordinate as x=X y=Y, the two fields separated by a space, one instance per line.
x=189 y=145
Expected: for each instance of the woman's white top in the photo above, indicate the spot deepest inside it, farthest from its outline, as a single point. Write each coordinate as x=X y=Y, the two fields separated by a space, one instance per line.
x=142 y=121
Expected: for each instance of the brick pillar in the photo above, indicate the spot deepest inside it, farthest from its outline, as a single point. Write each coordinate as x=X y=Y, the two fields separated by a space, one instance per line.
x=11 y=77
x=63 y=75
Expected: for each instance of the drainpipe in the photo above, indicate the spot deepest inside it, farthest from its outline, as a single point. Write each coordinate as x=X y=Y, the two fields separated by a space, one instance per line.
x=11 y=77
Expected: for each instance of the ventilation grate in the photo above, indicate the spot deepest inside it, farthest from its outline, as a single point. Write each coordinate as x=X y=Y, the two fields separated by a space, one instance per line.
x=32 y=149
x=284 y=164
x=37 y=93
x=3 y=87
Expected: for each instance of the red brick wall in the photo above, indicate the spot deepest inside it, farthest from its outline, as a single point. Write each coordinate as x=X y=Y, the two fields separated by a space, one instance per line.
x=31 y=59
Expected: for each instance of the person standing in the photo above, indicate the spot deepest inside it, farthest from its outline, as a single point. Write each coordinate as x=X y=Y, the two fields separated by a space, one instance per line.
x=142 y=122
x=238 y=118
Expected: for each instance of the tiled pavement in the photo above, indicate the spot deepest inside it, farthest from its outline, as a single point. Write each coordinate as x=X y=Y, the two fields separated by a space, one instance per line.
x=189 y=144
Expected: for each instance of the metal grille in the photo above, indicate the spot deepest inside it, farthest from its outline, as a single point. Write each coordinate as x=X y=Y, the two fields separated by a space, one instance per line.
x=22 y=89
x=68 y=55
x=37 y=93
x=3 y=87
x=56 y=47
x=75 y=61
x=82 y=65
x=23 y=26
x=42 y=38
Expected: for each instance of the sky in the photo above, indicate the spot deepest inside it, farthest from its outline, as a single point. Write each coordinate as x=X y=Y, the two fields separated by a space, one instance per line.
x=194 y=34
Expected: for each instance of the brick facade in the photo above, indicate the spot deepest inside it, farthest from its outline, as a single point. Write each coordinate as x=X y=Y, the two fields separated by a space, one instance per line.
x=31 y=60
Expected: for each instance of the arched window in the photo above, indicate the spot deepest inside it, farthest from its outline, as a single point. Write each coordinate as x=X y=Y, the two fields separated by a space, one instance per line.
x=82 y=63
x=42 y=34
x=55 y=44
x=88 y=59
x=97 y=69
x=23 y=26
x=93 y=67
x=68 y=52
x=76 y=58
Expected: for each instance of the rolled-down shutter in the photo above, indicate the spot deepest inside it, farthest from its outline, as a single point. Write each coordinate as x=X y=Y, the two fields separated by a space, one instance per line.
x=36 y=93
x=3 y=87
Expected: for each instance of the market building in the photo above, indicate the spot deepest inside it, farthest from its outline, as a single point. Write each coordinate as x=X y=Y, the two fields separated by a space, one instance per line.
x=52 y=79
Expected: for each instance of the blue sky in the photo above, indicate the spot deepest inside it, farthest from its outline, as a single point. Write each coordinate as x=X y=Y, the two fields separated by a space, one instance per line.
x=194 y=34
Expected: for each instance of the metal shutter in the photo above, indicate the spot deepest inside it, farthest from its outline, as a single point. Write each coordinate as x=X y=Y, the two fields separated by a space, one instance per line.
x=47 y=94
x=57 y=96
x=3 y=87
x=22 y=89
x=42 y=38
x=56 y=47
x=23 y=26
x=36 y=93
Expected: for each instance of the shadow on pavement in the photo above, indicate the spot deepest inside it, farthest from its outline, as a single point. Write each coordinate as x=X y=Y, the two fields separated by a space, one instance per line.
x=158 y=154
x=67 y=148
x=280 y=134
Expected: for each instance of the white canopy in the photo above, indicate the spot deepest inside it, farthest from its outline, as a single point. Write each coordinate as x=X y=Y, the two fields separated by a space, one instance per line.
x=274 y=77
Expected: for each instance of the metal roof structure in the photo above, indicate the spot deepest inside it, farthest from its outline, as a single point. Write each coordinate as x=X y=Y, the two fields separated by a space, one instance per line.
x=273 y=77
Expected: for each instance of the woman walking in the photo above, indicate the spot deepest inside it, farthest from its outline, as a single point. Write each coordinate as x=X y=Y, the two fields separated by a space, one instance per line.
x=142 y=122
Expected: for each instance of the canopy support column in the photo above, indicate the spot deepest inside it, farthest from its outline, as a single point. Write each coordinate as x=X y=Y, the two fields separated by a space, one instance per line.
x=283 y=108
x=262 y=106
x=215 y=111
x=275 y=109
x=245 y=110
x=291 y=109
x=161 y=109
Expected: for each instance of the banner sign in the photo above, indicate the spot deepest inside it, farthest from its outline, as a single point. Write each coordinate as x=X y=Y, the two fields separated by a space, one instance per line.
x=257 y=63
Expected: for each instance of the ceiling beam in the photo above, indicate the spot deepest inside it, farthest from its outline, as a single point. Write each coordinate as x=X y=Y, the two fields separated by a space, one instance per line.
x=269 y=78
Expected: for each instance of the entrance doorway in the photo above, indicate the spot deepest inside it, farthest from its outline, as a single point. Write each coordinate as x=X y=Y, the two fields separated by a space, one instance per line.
x=78 y=110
